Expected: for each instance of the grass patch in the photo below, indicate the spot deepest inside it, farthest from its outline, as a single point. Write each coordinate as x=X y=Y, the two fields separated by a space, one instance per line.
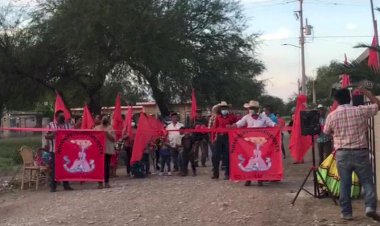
x=9 y=147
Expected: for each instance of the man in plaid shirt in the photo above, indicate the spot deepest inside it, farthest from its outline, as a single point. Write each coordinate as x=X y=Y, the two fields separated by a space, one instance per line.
x=348 y=126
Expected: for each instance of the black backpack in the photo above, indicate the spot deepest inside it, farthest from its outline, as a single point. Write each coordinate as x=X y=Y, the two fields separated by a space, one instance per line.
x=138 y=170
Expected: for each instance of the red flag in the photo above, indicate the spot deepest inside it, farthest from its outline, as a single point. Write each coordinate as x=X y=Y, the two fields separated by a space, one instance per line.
x=193 y=105
x=87 y=120
x=128 y=122
x=60 y=106
x=117 y=120
x=345 y=81
x=373 y=58
x=148 y=129
x=256 y=154
x=79 y=156
x=299 y=144
x=345 y=77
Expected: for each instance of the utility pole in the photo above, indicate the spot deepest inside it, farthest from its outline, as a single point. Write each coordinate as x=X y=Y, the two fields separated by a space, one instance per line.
x=374 y=23
x=302 y=44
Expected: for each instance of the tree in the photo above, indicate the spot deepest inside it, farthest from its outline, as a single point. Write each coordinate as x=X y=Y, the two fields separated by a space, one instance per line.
x=276 y=103
x=326 y=77
x=164 y=46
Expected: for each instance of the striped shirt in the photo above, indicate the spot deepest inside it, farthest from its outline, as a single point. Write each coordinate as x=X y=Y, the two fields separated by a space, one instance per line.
x=55 y=125
x=348 y=125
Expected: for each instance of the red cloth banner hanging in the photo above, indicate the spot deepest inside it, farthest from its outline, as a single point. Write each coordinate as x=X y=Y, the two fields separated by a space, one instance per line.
x=148 y=129
x=255 y=154
x=298 y=144
x=79 y=156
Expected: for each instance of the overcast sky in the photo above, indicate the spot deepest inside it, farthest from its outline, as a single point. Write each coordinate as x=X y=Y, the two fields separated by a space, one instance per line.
x=276 y=21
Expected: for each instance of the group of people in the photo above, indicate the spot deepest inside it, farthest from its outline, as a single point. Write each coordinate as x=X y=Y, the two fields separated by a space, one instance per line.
x=343 y=130
x=175 y=151
x=102 y=123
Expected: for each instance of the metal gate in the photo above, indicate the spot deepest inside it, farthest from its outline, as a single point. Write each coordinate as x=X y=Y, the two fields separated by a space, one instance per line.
x=372 y=145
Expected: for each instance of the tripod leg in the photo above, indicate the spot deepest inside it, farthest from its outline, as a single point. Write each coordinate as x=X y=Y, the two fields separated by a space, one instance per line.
x=301 y=187
x=325 y=184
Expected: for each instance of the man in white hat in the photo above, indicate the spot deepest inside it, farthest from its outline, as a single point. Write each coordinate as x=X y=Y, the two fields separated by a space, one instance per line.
x=221 y=149
x=324 y=141
x=254 y=120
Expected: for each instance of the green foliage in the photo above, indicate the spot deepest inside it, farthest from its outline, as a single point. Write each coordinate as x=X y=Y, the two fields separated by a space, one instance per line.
x=276 y=103
x=9 y=148
x=161 y=48
x=45 y=110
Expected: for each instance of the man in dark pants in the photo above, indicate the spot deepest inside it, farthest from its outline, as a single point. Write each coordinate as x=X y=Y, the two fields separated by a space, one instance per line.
x=221 y=150
x=58 y=123
x=349 y=125
x=174 y=138
x=201 y=140
x=324 y=140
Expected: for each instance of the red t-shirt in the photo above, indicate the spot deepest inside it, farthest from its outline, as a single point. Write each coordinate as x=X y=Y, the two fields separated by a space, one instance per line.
x=223 y=121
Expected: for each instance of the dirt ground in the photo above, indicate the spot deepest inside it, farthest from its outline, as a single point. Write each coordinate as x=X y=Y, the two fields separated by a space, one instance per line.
x=164 y=200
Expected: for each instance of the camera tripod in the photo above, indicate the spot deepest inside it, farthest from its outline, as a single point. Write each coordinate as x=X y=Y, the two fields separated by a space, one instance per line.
x=317 y=190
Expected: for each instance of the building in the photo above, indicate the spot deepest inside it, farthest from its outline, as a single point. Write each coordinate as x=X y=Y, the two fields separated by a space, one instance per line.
x=150 y=108
x=20 y=119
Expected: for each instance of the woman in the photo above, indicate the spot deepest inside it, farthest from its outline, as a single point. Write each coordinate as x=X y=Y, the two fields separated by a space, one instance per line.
x=330 y=175
x=109 y=148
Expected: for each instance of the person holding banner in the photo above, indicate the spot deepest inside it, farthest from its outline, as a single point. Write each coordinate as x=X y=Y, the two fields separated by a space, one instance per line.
x=221 y=151
x=59 y=122
x=254 y=120
x=109 y=149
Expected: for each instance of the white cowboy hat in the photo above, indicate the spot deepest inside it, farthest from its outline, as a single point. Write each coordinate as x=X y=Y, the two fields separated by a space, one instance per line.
x=252 y=104
x=215 y=108
x=320 y=106
x=223 y=104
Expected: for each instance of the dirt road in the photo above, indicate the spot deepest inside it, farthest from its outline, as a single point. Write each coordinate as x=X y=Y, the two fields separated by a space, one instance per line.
x=164 y=200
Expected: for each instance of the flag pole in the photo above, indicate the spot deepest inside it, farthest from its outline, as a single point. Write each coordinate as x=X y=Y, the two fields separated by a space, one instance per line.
x=375 y=27
x=374 y=22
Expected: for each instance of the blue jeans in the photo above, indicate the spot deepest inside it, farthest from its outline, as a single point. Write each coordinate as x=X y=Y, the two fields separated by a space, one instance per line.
x=357 y=161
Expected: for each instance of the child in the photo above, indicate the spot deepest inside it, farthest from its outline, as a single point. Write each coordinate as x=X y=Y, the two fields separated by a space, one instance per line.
x=127 y=148
x=187 y=154
x=147 y=152
x=40 y=158
x=165 y=158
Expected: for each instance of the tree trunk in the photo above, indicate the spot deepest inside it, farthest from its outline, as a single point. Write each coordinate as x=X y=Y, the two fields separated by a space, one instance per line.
x=94 y=104
x=161 y=101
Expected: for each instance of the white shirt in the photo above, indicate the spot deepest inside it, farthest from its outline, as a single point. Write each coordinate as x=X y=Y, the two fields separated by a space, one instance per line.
x=174 y=137
x=250 y=122
x=55 y=125
x=110 y=145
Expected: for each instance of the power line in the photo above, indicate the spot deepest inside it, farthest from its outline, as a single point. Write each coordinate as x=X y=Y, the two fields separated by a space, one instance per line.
x=325 y=37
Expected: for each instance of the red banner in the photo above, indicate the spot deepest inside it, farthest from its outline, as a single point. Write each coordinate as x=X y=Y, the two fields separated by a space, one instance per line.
x=79 y=156
x=148 y=129
x=255 y=154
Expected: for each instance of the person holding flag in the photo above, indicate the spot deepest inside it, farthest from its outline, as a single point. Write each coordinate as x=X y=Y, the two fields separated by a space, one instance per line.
x=254 y=120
